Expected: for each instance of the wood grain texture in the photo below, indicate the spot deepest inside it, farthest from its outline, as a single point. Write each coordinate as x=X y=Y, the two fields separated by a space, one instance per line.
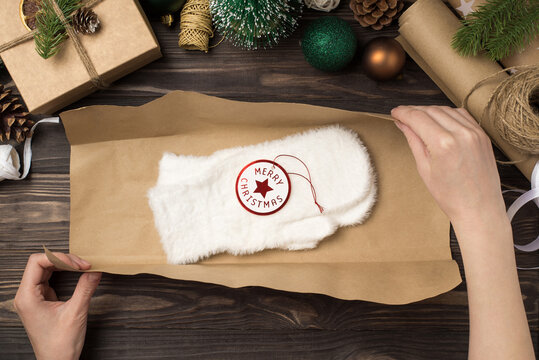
x=146 y=316
x=261 y=344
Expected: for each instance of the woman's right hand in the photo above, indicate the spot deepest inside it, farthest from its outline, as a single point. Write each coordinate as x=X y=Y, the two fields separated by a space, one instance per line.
x=454 y=158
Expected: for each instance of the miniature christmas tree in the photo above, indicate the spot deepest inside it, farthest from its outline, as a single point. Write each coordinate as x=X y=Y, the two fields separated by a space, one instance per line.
x=254 y=24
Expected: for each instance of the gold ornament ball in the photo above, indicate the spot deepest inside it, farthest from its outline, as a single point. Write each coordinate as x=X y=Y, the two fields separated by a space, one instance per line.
x=383 y=58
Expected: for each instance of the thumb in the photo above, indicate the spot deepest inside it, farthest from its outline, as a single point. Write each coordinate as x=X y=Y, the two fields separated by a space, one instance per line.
x=83 y=292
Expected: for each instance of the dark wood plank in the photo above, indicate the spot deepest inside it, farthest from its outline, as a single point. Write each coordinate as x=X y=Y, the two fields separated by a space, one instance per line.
x=147 y=316
x=149 y=301
x=130 y=344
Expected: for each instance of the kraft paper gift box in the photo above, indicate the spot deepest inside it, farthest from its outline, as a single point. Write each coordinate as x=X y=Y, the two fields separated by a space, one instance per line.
x=124 y=43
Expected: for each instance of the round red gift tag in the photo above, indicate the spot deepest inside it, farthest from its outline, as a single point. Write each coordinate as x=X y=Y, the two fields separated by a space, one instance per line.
x=263 y=187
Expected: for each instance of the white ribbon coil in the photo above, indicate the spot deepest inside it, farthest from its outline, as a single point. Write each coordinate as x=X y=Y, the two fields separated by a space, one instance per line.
x=9 y=159
x=526 y=197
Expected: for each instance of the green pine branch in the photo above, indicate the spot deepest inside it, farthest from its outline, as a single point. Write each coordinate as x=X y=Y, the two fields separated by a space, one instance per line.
x=50 y=30
x=516 y=35
x=499 y=27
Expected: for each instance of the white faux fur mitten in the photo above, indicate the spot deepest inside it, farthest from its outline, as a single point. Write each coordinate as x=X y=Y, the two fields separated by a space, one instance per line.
x=197 y=201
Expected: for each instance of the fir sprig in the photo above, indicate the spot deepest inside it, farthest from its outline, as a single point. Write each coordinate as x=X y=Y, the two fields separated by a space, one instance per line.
x=500 y=27
x=515 y=35
x=50 y=30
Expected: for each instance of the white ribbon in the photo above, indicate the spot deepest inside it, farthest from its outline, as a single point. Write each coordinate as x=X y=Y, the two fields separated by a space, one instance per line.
x=520 y=202
x=9 y=159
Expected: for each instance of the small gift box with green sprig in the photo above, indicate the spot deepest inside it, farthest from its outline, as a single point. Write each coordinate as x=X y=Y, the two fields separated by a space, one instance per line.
x=58 y=51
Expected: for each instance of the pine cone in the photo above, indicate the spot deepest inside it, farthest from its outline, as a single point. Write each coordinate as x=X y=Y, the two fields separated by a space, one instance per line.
x=376 y=13
x=13 y=122
x=85 y=21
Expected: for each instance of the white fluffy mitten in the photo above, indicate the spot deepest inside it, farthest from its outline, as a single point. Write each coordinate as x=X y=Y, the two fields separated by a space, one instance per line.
x=232 y=202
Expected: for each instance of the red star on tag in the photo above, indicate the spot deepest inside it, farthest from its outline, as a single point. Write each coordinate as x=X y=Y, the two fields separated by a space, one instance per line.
x=262 y=188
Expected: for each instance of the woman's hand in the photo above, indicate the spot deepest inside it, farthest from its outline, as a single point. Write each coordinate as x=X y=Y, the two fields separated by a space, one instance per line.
x=56 y=328
x=455 y=160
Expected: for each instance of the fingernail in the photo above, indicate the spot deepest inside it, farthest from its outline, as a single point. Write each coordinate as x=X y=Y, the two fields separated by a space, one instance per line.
x=84 y=262
x=398 y=124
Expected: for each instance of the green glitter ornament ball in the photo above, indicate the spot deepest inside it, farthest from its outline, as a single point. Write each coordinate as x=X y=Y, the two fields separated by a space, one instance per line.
x=329 y=44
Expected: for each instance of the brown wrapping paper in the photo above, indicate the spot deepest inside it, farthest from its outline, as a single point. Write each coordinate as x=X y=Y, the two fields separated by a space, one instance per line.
x=426 y=30
x=527 y=56
x=399 y=255
x=124 y=43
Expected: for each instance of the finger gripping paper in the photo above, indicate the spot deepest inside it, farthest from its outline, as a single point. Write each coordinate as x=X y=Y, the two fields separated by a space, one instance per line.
x=289 y=193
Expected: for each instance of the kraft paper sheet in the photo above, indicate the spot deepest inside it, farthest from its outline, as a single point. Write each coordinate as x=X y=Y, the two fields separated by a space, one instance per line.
x=426 y=30
x=399 y=255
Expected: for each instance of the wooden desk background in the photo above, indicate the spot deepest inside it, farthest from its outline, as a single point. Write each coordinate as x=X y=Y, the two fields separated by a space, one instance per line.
x=146 y=316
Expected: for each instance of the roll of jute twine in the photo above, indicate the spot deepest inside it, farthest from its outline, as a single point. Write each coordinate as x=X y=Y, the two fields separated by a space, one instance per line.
x=513 y=108
x=195 y=25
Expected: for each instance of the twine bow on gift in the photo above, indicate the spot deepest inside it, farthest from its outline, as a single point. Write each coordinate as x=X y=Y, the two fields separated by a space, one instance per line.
x=95 y=78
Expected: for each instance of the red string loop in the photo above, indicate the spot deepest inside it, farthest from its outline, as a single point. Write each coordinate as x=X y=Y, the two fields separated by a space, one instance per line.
x=313 y=190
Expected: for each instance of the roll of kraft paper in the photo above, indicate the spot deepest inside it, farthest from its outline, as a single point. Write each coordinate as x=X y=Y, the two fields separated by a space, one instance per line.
x=426 y=30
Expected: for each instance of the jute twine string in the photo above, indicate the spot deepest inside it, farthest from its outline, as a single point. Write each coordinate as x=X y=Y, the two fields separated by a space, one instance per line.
x=17 y=41
x=195 y=25
x=81 y=51
x=511 y=108
x=83 y=54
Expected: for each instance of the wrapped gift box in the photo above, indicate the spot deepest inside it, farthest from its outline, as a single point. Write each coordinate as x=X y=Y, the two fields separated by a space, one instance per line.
x=124 y=43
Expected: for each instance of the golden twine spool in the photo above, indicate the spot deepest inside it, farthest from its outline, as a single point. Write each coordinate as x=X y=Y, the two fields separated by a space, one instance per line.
x=195 y=25
x=513 y=108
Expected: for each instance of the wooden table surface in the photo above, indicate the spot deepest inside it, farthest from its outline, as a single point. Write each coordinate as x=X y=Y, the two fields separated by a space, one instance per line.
x=146 y=316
